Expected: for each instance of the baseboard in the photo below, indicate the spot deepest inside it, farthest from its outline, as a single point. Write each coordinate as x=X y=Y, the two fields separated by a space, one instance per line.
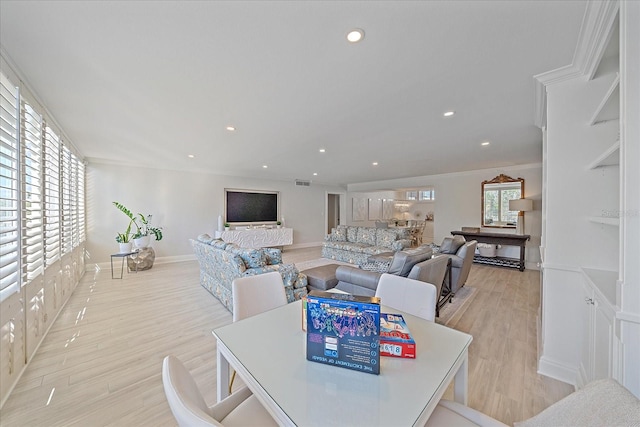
x=558 y=370
x=303 y=245
x=158 y=261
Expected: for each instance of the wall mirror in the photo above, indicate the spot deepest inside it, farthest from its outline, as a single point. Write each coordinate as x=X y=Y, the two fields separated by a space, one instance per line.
x=496 y=194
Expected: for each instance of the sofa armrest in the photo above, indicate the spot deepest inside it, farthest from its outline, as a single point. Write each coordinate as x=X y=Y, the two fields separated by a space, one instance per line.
x=356 y=276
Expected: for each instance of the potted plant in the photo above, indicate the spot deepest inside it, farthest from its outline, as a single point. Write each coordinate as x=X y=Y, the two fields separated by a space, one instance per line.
x=142 y=236
x=226 y=226
x=144 y=230
x=124 y=241
x=278 y=224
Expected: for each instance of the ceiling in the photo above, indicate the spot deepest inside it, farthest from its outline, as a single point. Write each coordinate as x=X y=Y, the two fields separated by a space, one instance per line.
x=150 y=82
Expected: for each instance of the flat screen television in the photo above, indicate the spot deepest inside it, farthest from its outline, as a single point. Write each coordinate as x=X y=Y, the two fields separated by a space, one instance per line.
x=248 y=206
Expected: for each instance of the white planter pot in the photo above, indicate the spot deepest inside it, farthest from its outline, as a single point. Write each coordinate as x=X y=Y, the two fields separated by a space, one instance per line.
x=142 y=242
x=125 y=248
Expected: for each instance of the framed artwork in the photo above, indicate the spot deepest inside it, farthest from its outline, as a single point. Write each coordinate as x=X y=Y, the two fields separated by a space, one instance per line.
x=387 y=208
x=375 y=209
x=359 y=209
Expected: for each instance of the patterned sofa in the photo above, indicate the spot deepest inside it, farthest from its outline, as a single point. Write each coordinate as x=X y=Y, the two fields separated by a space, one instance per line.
x=356 y=244
x=221 y=262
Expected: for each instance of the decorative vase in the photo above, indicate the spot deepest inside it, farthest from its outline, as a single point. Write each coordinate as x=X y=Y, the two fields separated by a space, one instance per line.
x=142 y=242
x=125 y=248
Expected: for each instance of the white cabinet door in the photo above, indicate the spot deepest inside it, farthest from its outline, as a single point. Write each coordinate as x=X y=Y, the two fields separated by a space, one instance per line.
x=602 y=335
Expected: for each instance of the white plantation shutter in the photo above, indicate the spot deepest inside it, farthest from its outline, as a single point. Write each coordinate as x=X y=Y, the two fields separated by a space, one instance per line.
x=51 y=196
x=31 y=202
x=65 y=164
x=9 y=249
x=82 y=232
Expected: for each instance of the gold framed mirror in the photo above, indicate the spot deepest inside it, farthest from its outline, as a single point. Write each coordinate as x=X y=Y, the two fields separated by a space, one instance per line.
x=496 y=194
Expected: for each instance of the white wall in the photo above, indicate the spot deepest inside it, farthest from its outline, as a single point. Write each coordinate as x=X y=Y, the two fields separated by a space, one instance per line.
x=186 y=204
x=458 y=200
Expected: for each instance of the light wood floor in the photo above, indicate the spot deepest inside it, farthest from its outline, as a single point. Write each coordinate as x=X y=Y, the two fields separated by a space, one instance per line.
x=100 y=364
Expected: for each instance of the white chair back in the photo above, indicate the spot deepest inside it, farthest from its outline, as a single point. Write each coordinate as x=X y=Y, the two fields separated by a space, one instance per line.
x=184 y=397
x=256 y=294
x=408 y=295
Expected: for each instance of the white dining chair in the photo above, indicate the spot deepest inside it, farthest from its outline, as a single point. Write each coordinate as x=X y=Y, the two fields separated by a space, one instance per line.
x=189 y=409
x=256 y=294
x=408 y=295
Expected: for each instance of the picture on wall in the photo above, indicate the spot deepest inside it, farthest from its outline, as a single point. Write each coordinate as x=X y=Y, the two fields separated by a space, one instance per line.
x=375 y=209
x=359 y=209
x=387 y=208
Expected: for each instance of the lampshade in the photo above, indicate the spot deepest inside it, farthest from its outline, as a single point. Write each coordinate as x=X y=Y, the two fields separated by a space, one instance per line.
x=520 y=205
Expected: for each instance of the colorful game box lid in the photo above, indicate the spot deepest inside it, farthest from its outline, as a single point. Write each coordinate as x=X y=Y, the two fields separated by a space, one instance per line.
x=395 y=338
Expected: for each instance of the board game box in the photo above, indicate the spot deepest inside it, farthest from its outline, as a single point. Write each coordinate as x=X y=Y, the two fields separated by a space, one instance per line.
x=395 y=338
x=343 y=330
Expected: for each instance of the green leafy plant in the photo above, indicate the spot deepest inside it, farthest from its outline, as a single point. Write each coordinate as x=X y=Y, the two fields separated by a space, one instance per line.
x=278 y=223
x=126 y=236
x=146 y=229
x=143 y=229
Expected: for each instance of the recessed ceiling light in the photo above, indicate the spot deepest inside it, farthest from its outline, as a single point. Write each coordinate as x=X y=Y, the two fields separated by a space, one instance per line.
x=375 y=163
x=449 y=113
x=191 y=156
x=230 y=128
x=315 y=174
x=265 y=166
x=355 y=35
x=322 y=150
x=485 y=143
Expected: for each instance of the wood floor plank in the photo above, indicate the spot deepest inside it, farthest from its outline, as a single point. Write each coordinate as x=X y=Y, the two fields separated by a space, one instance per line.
x=102 y=357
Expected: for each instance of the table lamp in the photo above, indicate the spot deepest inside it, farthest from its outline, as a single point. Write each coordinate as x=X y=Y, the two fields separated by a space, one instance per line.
x=521 y=205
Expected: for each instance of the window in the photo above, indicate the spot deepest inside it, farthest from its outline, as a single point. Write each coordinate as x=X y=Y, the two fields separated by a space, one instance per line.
x=427 y=195
x=31 y=174
x=9 y=262
x=496 y=204
x=51 y=196
x=42 y=192
x=412 y=195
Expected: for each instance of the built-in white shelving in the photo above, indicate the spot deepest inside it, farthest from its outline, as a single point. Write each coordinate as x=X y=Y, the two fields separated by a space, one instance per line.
x=604 y=281
x=605 y=220
x=610 y=157
x=609 y=107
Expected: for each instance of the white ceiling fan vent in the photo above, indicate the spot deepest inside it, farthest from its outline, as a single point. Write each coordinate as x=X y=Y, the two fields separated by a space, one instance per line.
x=303 y=183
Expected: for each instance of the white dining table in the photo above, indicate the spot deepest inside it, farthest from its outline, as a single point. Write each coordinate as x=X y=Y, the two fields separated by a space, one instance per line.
x=268 y=351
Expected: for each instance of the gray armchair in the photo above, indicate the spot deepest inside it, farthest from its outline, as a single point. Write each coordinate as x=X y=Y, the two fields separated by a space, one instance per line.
x=432 y=271
x=461 y=261
x=359 y=281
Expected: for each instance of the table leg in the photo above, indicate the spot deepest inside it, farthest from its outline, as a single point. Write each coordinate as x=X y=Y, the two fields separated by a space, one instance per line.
x=522 y=258
x=223 y=376
x=461 y=382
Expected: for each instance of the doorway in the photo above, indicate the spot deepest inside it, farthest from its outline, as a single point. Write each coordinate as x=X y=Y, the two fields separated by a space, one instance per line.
x=334 y=210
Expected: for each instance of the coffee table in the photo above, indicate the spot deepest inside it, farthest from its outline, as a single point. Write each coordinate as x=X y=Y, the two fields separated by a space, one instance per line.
x=269 y=352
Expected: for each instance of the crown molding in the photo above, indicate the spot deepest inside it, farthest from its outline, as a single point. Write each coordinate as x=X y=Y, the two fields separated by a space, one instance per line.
x=595 y=33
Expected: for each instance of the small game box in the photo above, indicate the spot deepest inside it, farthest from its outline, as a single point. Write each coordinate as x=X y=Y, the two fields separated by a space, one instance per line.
x=343 y=330
x=395 y=338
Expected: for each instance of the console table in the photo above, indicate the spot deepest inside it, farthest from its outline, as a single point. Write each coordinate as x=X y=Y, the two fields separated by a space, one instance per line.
x=258 y=237
x=498 y=239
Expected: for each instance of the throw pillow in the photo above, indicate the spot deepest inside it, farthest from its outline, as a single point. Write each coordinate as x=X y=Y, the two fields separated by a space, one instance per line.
x=450 y=245
x=273 y=256
x=205 y=238
x=377 y=266
x=352 y=234
x=340 y=234
x=253 y=258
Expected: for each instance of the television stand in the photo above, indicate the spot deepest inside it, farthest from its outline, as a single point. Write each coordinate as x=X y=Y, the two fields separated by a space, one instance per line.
x=258 y=237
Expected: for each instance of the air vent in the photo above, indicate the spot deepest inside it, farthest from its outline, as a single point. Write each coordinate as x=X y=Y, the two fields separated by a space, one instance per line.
x=302 y=183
